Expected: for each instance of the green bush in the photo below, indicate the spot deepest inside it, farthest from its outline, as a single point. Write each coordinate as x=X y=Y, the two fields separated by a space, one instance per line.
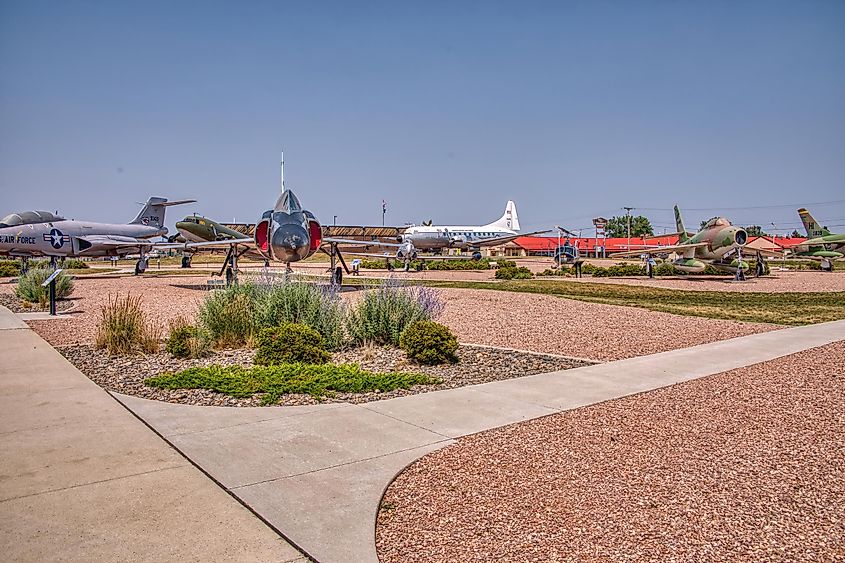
x=9 y=268
x=288 y=344
x=29 y=286
x=505 y=264
x=457 y=264
x=665 y=269
x=74 y=264
x=315 y=380
x=559 y=272
x=124 y=329
x=186 y=341
x=383 y=313
x=312 y=305
x=429 y=343
x=229 y=315
x=514 y=273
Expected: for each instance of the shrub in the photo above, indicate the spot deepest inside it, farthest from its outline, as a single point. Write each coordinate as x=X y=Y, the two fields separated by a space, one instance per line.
x=124 y=329
x=429 y=343
x=505 y=264
x=665 y=269
x=29 y=286
x=9 y=268
x=315 y=306
x=229 y=315
x=383 y=313
x=74 y=264
x=315 y=380
x=560 y=272
x=186 y=341
x=514 y=273
x=290 y=343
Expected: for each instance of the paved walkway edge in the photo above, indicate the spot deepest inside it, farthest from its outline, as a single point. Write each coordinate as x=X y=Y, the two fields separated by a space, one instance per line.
x=318 y=473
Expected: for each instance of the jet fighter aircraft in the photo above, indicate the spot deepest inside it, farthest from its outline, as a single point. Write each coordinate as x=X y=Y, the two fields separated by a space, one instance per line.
x=286 y=233
x=44 y=234
x=719 y=244
x=821 y=244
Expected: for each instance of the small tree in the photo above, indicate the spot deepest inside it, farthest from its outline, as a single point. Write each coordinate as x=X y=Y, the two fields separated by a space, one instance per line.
x=617 y=227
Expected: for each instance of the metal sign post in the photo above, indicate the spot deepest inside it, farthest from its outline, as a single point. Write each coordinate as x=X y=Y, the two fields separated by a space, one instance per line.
x=51 y=282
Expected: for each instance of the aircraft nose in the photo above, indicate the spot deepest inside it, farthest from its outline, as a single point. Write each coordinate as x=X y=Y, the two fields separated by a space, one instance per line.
x=290 y=243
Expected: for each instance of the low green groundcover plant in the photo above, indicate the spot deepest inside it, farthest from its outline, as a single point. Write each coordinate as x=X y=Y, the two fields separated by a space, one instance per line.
x=319 y=381
x=290 y=343
x=429 y=343
x=29 y=286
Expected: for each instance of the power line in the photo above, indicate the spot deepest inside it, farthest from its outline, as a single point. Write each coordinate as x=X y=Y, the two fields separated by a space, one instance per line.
x=805 y=204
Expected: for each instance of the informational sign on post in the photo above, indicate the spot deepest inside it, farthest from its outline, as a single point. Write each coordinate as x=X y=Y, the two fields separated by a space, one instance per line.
x=51 y=283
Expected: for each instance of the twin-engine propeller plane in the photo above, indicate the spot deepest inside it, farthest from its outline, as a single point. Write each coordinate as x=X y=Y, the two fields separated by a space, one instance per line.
x=718 y=243
x=40 y=233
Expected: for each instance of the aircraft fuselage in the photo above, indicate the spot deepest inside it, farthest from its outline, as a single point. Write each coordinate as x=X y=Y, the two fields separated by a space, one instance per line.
x=65 y=238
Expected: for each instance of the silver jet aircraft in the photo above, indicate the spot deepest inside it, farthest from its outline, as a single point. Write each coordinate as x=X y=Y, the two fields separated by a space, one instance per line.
x=31 y=235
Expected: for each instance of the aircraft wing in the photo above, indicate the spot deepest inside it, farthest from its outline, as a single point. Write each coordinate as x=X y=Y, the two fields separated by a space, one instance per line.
x=820 y=241
x=502 y=240
x=682 y=248
x=114 y=241
x=214 y=243
x=353 y=242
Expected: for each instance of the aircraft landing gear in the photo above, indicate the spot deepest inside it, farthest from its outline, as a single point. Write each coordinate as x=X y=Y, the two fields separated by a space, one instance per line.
x=337 y=277
x=186 y=261
x=24 y=264
x=141 y=266
x=230 y=276
x=826 y=265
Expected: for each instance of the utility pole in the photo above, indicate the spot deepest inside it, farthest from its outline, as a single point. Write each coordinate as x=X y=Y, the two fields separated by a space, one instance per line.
x=334 y=223
x=628 y=216
x=383 y=211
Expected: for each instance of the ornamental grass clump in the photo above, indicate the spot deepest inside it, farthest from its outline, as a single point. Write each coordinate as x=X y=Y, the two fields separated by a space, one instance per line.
x=316 y=306
x=290 y=343
x=383 y=313
x=124 y=328
x=429 y=343
x=228 y=315
x=29 y=286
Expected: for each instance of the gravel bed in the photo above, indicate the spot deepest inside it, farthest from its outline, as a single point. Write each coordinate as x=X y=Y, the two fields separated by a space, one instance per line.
x=13 y=303
x=550 y=324
x=126 y=374
x=745 y=465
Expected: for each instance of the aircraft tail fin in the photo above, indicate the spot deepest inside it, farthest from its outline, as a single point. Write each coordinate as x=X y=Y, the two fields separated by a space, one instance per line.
x=152 y=214
x=510 y=220
x=679 y=224
x=813 y=229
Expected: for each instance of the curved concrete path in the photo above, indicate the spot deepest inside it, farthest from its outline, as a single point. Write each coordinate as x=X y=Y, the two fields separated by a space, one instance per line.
x=82 y=479
x=317 y=473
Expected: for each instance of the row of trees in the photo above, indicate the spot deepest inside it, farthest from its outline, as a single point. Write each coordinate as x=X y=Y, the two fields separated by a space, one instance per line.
x=617 y=227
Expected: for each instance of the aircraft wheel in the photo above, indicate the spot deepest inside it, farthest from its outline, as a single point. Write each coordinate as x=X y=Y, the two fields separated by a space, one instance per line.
x=420 y=266
x=476 y=256
x=337 y=278
x=186 y=261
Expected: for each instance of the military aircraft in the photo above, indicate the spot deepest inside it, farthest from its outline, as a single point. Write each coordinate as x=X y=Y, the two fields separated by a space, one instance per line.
x=821 y=244
x=718 y=243
x=45 y=234
x=201 y=229
x=286 y=233
x=438 y=238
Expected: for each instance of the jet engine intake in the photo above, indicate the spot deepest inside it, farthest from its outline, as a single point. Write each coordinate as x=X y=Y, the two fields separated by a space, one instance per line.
x=741 y=237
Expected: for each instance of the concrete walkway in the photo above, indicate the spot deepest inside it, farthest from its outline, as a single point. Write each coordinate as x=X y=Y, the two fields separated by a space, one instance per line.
x=317 y=473
x=82 y=479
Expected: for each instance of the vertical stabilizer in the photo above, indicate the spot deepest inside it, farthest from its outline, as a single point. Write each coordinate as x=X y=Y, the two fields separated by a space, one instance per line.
x=813 y=229
x=152 y=215
x=510 y=220
x=679 y=224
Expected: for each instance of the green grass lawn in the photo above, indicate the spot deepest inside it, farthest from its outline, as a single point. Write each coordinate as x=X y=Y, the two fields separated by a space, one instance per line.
x=316 y=380
x=776 y=308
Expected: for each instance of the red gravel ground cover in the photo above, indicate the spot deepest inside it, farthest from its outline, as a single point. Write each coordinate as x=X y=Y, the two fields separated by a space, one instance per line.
x=746 y=465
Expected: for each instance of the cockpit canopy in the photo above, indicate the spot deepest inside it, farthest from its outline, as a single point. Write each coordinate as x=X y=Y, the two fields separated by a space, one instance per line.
x=717 y=222
x=29 y=218
x=288 y=203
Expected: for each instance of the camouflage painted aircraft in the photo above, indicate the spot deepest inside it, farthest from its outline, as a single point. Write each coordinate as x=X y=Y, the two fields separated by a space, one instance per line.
x=202 y=229
x=44 y=234
x=718 y=243
x=821 y=244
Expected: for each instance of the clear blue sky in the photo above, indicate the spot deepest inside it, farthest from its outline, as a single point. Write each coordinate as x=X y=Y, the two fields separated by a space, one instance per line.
x=444 y=109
